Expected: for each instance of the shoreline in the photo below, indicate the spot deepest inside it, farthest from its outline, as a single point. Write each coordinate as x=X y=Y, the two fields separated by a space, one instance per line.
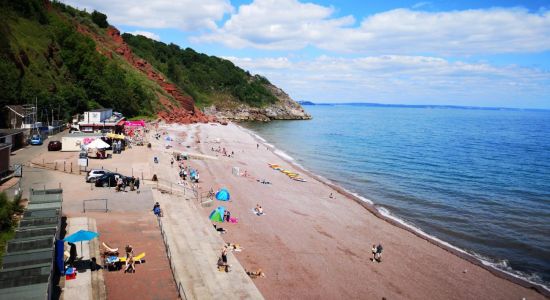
x=370 y=206
x=312 y=246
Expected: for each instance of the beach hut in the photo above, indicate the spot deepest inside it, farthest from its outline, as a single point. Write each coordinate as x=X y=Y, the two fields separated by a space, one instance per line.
x=217 y=214
x=223 y=195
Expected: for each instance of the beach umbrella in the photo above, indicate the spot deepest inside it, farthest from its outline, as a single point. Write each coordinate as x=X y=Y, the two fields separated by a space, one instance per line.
x=217 y=214
x=80 y=236
x=223 y=195
x=97 y=144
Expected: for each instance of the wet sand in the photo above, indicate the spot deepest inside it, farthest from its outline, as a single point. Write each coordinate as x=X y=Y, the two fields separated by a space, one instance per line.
x=312 y=246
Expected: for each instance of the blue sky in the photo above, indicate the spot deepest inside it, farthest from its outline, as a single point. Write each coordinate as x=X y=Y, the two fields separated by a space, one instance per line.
x=481 y=53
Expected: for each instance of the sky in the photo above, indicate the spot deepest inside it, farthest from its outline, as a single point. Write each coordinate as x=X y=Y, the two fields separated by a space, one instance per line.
x=472 y=53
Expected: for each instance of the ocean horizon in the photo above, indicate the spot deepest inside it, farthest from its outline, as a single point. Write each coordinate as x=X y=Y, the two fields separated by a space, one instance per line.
x=478 y=179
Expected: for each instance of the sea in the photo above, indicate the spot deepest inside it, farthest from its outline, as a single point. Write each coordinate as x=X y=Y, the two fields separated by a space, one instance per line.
x=477 y=179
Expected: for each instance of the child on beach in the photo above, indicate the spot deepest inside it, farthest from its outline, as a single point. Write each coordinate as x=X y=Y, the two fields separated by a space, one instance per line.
x=373 y=253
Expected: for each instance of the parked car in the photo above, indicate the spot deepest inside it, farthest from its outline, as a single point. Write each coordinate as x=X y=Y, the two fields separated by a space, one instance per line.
x=54 y=146
x=36 y=140
x=94 y=174
x=109 y=179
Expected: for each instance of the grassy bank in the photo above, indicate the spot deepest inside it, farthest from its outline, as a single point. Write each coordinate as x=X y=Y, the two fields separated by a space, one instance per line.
x=10 y=209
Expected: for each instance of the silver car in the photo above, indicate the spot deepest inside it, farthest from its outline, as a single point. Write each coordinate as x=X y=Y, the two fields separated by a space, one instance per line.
x=93 y=174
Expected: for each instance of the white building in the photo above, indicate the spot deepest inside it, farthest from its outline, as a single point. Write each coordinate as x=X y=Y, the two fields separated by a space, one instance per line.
x=101 y=119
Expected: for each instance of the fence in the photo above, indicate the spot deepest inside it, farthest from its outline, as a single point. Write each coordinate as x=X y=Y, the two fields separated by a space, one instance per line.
x=106 y=201
x=166 y=186
x=179 y=285
x=60 y=165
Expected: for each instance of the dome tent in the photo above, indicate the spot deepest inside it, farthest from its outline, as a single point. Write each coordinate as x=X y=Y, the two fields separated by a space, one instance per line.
x=223 y=195
x=217 y=214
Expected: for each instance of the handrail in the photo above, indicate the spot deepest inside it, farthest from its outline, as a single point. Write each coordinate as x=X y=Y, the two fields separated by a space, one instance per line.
x=90 y=200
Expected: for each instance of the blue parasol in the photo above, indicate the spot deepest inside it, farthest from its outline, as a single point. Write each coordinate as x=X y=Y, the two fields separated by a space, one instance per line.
x=80 y=236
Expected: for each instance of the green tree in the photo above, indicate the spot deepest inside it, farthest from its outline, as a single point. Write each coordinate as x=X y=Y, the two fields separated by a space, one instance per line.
x=100 y=19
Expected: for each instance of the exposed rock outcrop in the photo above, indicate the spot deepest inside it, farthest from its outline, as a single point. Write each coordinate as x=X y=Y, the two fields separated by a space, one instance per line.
x=182 y=110
x=284 y=109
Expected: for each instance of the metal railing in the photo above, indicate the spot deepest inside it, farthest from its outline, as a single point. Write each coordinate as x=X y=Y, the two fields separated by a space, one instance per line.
x=179 y=285
x=174 y=189
x=95 y=209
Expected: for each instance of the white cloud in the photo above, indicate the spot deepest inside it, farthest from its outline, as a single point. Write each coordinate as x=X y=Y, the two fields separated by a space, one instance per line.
x=421 y=4
x=403 y=79
x=290 y=24
x=180 y=14
x=261 y=63
x=148 y=34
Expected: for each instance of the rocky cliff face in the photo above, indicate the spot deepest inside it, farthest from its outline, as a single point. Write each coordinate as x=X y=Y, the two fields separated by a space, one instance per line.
x=182 y=109
x=284 y=109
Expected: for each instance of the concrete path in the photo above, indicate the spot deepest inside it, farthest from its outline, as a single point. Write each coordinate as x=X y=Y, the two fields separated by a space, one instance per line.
x=195 y=247
x=88 y=284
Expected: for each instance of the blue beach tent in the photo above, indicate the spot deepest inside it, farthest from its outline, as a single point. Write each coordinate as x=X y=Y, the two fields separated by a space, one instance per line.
x=217 y=214
x=223 y=195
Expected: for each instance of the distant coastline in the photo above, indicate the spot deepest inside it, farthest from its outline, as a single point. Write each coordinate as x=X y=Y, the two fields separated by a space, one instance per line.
x=434 y=106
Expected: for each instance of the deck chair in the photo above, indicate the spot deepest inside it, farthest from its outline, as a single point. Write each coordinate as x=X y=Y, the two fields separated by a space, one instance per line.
x=109 y=250
x=137 y=259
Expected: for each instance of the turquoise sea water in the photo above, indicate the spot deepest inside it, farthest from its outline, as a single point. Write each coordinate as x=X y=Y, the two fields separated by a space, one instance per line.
x=477 y=179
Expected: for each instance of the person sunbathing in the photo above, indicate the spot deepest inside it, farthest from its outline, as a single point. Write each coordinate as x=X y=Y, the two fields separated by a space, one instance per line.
x=256 y=274
x=258 y=210
x=220 y=230
x=234 y=247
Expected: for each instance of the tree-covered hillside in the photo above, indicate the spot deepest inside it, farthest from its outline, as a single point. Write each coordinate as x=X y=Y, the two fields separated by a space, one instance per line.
x=44 y=57
x=70 y=61
x=207 y=79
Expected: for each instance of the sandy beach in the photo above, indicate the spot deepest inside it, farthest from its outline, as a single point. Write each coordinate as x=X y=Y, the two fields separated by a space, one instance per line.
x=312 y=246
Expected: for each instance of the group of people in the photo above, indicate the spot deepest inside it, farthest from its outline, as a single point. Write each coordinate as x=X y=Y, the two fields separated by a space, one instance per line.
x=187 y=171
x=117 y=146
x=122 y=183
x=223 y=151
